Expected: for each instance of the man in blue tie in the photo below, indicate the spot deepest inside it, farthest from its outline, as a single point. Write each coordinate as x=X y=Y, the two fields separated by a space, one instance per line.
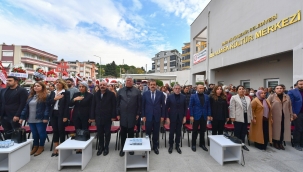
x=153 y=110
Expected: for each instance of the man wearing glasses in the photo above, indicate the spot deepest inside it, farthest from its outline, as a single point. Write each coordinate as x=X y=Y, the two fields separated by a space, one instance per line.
x=128 y=110
x=176 y=109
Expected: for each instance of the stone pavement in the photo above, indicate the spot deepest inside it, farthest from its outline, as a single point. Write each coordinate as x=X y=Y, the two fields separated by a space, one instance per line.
x=256 y=160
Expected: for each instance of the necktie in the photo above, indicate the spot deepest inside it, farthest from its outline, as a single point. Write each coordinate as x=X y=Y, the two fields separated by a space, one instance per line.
x=153 y=97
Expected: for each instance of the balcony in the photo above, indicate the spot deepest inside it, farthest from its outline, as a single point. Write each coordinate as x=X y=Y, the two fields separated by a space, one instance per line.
x=186 y=54
x=38 y=62
x=186 y=60
x=72 y=64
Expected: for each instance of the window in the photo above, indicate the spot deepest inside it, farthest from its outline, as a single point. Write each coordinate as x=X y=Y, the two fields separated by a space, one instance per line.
x=7 y=53
x=164 y=59
x=172 y=64
x=173 y=57
x=81 y=68
x=31 y=66
x=245 y=83
x=165 y=53
x=271 y=82
x=59 y=69
x=165 y=64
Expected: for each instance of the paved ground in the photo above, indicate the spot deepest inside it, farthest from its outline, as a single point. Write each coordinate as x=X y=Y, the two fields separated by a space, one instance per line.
x=256 y=160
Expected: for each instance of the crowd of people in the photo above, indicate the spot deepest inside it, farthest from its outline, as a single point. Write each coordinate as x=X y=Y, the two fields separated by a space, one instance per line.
x=269 y=112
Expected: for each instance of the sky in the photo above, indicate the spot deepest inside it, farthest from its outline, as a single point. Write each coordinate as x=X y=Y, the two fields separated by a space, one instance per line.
x=133 y=30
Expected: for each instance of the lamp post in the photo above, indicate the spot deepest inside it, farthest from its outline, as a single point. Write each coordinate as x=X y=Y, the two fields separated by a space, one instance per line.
x=100 y=66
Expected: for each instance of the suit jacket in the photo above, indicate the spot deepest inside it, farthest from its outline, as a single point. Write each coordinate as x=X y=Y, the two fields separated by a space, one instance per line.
x=196 y=109
x=296 y=100
x=14 y=105
x=128 y=106
x=81 y=108
x=63 y=105
x=236 y=109
x=150 y=108
x=103 y=110
x=176 y=111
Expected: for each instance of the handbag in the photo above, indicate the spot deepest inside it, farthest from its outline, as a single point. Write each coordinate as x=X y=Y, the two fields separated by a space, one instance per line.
x=18 y=135
x=82 y=135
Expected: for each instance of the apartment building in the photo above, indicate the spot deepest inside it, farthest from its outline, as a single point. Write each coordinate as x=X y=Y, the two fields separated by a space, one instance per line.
x=85 y=69
x=167 y=61
x=28 y=57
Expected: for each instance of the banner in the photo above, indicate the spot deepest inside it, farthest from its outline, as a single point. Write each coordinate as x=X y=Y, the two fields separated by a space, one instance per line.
x=200 y=56
x=51 y=78
x=19 y=75
x=2 y=77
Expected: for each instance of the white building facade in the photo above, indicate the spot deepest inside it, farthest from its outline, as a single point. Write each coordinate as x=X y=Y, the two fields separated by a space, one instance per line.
x=252 y=43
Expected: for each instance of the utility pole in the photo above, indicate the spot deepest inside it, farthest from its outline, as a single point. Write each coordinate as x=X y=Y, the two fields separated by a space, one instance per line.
x=100 y=67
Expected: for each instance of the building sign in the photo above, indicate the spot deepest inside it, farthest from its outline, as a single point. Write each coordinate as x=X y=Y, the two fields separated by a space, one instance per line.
x=200 y=56
x=249 y=34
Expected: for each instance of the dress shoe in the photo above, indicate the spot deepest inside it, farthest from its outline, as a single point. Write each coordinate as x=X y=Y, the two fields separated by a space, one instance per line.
x=178 y=150
x=131 y=153
x=204 y=148
x=193 y=148
x=156 y=151
x=170 y=149
x=298 y=148
x=162 y=130
x=281 y=147
x=99 y=152
x=121 y=153
x=105 y=152
x=137 y=134
x=245 y=148
x=276 y=146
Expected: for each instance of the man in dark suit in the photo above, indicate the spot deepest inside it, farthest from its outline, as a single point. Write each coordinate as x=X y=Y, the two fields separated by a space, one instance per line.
x=176 y=109
x=296 y=97
x=153 y=109
x=128 y=110
x=199 y=107
x=12 y=101
x=103 y=111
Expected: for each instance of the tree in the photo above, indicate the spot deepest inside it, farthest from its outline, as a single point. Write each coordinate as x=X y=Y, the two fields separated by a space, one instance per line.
x=173 y=83
x=159 y=83
x=110 y=69
x=197 y=83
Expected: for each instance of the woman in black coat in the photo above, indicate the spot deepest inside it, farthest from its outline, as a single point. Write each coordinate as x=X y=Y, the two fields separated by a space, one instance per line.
x=59 y=100
x=82 y=104
x=219 y=110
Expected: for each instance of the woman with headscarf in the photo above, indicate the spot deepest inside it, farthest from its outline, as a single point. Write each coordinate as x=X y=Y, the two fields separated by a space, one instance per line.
x=282 y=116
x=261 y=126
x=81 y=101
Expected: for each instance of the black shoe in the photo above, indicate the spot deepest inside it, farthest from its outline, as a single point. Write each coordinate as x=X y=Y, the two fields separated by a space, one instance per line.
x=57 y=154
x=122 y=153
x=297 y=147
x=105 y=152
x=131 y=153
x=99 y=152
x=245 y=148
x=170 y=149
x=137 y=134
x=178 y=150
x=204 y=148
x=193 y=148
x=53 y=154
x=162 y=130
x=156 y=151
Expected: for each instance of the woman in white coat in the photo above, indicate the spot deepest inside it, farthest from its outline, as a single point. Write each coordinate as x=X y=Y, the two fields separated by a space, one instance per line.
x=240 y=113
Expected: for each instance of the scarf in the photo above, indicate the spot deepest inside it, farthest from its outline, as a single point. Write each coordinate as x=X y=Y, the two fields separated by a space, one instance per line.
x=265 y=105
